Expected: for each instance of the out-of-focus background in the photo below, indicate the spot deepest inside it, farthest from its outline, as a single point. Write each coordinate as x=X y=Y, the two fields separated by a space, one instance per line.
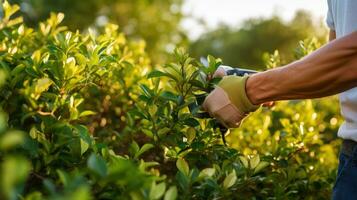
x=237 y=31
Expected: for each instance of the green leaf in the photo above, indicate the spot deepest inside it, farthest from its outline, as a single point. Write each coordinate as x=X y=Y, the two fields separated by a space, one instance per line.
x=34 y=196
x=190 y=134
x=87 y=113
x=14 y=21
x=169 y=96
x=163 y=131
x=254 y=161
x=134 y=148
x=21 y=29
x=136 y=195
x=208 y=172
x=183 y=181
x=137 y=113
x=13 y=175
x=146 y=90
x=152 y=110
x=84 y=146
x=230 y=180
x=11 y=139
x=97 y=164
x=157 y=191
x=171 y=193
x=42 y=85
x=244 y=161
x=60 y=17
x=144 y=98
x=192 y=122
x=49 y=186
x=213 y=64
x=82 y=192
x=143 y=149
x=3 y=76
x=36 y=56
x=17 y=70
x=197 y=83
x=144 y=165
x=9 y=10
x=64 y=177
x=261 y=166
x=173 y=71
x=182 y=166
x=156 y=73
x=3 y=121
x=148 y=133
x=84 y=134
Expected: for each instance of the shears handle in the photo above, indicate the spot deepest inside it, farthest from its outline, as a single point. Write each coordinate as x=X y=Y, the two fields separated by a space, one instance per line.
x=237 y=71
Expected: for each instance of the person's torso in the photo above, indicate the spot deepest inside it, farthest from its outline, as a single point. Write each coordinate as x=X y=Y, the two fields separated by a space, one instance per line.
x=344 y=15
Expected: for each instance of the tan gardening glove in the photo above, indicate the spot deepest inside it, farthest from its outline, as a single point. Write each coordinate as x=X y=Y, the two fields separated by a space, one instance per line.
x=228 y=102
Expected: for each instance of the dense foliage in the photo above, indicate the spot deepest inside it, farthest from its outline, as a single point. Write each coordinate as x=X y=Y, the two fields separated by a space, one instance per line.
x=86 y=117
x=155 y=21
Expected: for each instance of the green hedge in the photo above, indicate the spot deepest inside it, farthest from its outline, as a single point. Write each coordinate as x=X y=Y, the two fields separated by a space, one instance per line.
x=85 y=116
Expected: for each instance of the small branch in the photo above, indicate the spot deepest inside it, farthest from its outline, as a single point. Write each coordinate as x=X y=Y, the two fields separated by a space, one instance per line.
x=38 y=176
x=46 y=113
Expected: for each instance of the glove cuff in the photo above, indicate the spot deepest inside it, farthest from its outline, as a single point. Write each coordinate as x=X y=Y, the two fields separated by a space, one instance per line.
x=234 y=86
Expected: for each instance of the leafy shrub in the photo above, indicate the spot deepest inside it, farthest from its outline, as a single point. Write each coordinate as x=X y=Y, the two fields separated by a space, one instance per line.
x=81 y=119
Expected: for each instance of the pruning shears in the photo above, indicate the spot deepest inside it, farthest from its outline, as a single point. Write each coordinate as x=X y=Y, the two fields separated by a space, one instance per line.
x=201 y=97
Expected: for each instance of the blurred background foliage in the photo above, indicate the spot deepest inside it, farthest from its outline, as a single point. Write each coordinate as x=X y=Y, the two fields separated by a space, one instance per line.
x=246 y=45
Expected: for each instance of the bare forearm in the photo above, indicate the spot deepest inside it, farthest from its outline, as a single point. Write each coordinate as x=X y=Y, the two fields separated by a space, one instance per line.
x=329 y=70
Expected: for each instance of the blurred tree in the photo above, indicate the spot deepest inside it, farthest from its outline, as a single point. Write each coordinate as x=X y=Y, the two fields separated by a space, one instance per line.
x=155 y=21
x=245 y=46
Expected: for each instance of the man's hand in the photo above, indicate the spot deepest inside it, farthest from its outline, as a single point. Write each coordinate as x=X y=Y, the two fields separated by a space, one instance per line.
x=220 y=72
x=228 y=102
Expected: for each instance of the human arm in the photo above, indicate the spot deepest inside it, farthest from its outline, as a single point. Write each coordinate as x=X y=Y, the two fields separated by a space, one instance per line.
x=329 y=70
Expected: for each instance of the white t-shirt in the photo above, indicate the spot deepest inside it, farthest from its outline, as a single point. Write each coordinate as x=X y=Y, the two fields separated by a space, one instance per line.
x=342 y=17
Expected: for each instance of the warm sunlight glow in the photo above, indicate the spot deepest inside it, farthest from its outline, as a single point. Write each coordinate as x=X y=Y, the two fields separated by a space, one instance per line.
x=232 y=12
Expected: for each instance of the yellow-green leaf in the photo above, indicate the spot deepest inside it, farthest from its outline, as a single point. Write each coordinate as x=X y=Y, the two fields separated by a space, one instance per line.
x=87 y=113
x=254 y=161
x=11 y=139
x=182 y=166
x=244 y=161
x=261 y=166
x=157 y=191
x=171 y=193
x=143 y=149
x=163 y=131
x=208 y=172
x=42 y=85
x=14 y=171
x=230 y=180
x=84 y=146
x=60 y=17
x=190 y=134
